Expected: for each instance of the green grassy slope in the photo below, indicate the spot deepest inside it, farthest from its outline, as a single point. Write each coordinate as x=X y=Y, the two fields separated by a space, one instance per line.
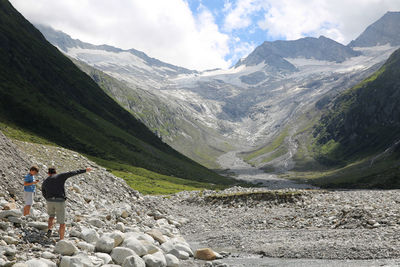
x=355 y=143
x=364 y=119
x=43 y=92
x=163 y=119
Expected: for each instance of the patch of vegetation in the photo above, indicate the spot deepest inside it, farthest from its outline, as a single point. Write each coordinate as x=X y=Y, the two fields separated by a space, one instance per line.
x=13 y=132
x=147 y=182
x=363 y=120
x=276 y=143
x=280 y=196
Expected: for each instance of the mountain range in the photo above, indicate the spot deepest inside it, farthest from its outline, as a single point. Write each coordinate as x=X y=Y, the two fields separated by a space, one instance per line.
x=273 y=108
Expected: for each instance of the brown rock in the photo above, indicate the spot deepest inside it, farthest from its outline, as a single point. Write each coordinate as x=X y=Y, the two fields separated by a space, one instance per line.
x=157 y=235
x=10 y=206
x=206 y=254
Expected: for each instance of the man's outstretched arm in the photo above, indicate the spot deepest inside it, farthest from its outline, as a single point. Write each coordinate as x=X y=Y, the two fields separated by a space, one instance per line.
x=67 y=175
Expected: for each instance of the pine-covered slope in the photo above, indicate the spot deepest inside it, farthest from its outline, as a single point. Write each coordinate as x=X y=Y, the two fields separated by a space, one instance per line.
x=43 y=92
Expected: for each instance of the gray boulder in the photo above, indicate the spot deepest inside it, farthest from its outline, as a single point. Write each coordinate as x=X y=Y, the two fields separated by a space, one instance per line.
x=10 y=213
x=155 y=260
x=182 y=255
x=105 y=244
x=119 y=254
x=134 y=261
x=80 y=260
x=85 y=246
x=89 y=235
x=104 y=257
x=135 y=245
x=65 y=248
x=38 y=225
x=172 y=261
x=40 y=263
x=118 y=237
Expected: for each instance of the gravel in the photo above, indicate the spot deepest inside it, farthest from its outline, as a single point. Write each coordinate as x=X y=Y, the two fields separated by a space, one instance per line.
x=246 y=226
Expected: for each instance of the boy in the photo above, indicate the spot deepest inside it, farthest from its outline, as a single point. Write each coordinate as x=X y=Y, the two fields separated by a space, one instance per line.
x=29 y=188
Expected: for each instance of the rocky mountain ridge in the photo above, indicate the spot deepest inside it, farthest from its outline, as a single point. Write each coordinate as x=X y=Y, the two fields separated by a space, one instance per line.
x=384 y=31
x=273 y=54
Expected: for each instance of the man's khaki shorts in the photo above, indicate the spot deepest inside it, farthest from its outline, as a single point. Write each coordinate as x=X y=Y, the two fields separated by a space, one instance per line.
x=56 y=209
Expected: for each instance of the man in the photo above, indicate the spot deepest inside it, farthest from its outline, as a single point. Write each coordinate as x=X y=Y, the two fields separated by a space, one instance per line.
x=30 y=188
x=54 y=193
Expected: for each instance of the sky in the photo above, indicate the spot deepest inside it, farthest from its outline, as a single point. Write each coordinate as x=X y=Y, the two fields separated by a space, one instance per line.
x=204 y=34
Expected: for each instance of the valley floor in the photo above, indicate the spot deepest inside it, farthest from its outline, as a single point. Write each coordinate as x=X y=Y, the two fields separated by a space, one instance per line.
x=296 y=227
x=345 y=228
x=245 y=172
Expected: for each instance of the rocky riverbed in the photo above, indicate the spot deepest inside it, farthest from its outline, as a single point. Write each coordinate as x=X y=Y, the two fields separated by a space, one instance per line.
x=108 y=221
x=313 y=224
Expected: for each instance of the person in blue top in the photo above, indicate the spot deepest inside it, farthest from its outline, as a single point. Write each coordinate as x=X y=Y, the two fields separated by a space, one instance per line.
x=29 y=188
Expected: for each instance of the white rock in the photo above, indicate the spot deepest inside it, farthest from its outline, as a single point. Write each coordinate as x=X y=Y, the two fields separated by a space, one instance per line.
x=155 y=260
x=134 y=261
x=80 y=260
x=139 y=236
x=19 y=264
x=118 y=237
x=135 y=245
x=150 y=248
x=75 y=233
x=182 y=247
x=64 y=247
x=120 y=226
x=40 y=263
x=182 y=255
x=105 y=244
x=96 y=222
x=10 y=240
x=103 y=256
x=38 y=225
x=10 y=213
x=77 y=189
x=172 y=261
x=85 y=246
x=89 y=235
x=119 y=254
x=48 y=255
x=162 y=222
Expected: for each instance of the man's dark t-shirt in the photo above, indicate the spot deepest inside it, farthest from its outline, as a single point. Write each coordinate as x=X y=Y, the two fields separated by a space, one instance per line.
x=53 y=186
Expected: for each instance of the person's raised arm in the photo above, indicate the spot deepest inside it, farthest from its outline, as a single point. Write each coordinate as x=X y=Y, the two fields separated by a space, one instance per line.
x=67 y=175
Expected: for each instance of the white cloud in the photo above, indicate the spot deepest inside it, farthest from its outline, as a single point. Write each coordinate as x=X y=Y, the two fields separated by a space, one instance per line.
x=166 y=30
x=341 y=20
x=240 y=50
x=169 y=31
x=240 y=16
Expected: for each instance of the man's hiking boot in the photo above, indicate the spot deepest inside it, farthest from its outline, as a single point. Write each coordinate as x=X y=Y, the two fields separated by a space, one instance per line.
x=49 y=233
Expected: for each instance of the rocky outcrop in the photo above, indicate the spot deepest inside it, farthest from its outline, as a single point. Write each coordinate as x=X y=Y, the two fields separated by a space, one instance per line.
x=384 y=31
